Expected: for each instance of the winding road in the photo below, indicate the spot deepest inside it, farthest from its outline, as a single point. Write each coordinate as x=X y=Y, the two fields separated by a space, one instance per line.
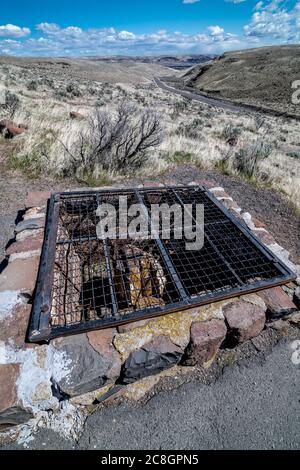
x=201 y=98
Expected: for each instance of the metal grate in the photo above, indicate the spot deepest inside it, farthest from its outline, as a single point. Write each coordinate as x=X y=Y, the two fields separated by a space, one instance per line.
x=85 y=283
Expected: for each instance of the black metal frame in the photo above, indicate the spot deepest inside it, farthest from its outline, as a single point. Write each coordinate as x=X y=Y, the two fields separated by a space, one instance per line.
x=40 y=328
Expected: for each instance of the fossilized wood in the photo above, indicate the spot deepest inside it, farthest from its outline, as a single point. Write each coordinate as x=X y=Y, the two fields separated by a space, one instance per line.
x=139 y=278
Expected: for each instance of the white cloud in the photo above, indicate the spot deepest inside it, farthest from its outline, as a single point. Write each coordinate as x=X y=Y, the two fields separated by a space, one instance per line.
x=12 y=31
x=126 y=36
x=189 y=2
x=74 y=41
x=235 y=1
x=271 y=22
x=259 y=6
x=275 y=21
x=215 y=30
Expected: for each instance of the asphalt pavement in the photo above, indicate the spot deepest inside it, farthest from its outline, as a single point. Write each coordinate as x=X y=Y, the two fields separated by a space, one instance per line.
x=255 y=404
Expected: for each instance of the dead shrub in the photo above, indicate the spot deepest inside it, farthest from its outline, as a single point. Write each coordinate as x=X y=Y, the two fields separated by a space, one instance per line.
x=113 y=143
x=11 y=104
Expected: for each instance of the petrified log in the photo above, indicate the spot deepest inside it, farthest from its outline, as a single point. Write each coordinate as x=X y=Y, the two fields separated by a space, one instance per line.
x=139 y=278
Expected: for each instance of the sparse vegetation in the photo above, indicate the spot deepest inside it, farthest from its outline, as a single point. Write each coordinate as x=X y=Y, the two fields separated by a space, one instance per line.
x=194 y=133
x=113 y=143
x=260 y=77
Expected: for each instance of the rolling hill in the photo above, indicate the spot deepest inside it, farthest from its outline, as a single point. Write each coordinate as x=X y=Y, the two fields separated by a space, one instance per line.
x=261 y=77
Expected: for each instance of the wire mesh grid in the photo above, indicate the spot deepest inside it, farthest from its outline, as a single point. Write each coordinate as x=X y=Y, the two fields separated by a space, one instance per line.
x=102 y=282
x=95 y=279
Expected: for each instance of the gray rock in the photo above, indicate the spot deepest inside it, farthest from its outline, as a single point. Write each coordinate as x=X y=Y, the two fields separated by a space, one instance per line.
x=296 y=297
x=88 y=369
x=14 y=416
x=153 y=358
x=30 y=224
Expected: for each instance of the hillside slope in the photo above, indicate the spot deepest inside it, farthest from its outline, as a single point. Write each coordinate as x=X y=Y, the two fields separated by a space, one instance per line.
x=82 y=69
x=261 y=77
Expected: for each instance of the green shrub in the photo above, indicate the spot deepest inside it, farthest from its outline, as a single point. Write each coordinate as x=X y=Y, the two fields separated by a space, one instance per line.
x=294 y=155
x=246 y=160
x=73 y=89
x=190 y=130
x=59 y=94
x=32 y=85
x=231 y=133
x=180 y=157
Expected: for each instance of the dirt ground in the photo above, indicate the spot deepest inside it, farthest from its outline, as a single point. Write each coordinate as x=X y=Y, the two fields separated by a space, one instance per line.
x=266 y=204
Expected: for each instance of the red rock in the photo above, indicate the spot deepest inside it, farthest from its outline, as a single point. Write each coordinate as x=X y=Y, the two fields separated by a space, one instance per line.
x=20 y=275
x=101 y=341
x=258 y=223
x=264 y=237
x=13 y=328
x=29 y=244
x=229 y=204
x=11 y=410
x=37 y=199
x=206 y=338
x=12 y=131
x=277 y=302
x=244 y=320
x=76 y=115
x=162 y=345
x=221 y=194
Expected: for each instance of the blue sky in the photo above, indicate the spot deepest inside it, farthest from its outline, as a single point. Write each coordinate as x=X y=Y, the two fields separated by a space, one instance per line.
x=145 y=27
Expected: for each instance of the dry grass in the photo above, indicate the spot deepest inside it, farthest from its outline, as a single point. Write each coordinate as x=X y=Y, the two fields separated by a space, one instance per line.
x=194 y=132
